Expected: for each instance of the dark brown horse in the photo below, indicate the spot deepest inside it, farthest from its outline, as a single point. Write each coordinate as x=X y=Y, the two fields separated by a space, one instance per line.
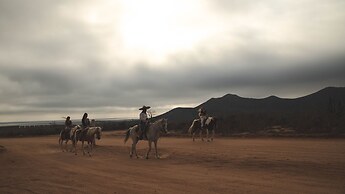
x=66 y=134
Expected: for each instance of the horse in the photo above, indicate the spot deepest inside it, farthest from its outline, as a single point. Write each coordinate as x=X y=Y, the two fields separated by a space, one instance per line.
x=153 y=133
x=195 y=128
x=74 y=131
x=88 y=135
x=210 y=126
x=65 y=135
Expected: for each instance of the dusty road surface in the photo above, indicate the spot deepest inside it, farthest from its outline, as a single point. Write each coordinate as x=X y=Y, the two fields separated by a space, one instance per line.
x=227 y=165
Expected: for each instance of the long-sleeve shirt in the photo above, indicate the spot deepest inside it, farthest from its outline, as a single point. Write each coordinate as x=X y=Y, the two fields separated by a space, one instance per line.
x=143 y=117
x=68 y=123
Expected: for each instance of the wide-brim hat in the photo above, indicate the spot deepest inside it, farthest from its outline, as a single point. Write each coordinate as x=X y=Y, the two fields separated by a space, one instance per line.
x=144 y=108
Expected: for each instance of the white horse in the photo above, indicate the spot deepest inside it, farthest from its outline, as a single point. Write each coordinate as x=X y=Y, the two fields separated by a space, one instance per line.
x=88 y=135
x=210 y=126
x=153 y=133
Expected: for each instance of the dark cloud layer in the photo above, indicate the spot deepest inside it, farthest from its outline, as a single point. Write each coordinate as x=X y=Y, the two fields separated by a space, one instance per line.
x=54 y=63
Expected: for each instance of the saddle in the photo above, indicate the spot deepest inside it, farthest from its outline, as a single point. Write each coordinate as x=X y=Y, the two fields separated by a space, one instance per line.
x=84 y=132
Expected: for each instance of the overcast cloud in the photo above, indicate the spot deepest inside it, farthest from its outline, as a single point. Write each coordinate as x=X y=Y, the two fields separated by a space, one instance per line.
x=108 y=58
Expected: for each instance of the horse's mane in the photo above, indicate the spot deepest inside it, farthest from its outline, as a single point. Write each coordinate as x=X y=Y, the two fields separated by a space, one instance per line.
x=159 y=120
x=95 y=128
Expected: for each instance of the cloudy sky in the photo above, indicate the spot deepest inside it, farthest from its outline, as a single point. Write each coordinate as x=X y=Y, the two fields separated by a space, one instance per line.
x=110 y=57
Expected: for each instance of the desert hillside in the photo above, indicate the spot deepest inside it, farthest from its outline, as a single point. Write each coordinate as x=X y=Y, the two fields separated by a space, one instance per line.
x=320 y=112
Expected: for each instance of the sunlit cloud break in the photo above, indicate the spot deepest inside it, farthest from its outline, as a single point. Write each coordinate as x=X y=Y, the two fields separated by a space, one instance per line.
x=108 y=58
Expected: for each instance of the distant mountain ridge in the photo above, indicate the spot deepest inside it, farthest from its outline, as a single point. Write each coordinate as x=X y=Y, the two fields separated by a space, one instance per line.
x=321 y=101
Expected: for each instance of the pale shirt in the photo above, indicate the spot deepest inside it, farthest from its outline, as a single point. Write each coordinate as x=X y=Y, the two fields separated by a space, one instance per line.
x=143 y=117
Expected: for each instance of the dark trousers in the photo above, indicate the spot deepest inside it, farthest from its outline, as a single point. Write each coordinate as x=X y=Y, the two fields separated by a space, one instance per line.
x=143 y=127
x=203 y=122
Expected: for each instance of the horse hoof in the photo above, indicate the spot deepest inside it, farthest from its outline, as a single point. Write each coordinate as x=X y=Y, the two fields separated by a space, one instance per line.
x=147 y=157
x=130 y=156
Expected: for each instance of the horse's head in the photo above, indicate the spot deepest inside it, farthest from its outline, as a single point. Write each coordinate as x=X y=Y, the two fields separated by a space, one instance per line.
x=98 y=132
x=164 y=128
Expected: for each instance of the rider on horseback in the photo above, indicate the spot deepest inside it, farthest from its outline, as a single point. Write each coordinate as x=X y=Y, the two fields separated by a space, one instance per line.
x=203 y=117
x=68 y=126
x=85 y=123
x=68 y=122
x=144 y=122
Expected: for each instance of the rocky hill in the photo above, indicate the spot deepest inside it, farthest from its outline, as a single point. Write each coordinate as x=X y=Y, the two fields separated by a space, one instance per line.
x=322 y=110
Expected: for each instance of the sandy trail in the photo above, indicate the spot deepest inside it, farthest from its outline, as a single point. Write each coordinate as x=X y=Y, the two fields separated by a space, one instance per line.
x=227 y=165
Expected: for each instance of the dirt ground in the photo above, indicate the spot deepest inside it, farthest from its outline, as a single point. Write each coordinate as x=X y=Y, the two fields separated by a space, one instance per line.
x=227 y=165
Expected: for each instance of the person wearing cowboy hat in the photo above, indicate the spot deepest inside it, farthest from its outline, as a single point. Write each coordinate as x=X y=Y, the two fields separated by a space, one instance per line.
x=202 y=116
x=144 y=121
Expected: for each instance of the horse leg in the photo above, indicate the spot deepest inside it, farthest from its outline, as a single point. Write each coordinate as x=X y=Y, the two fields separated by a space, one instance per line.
x=131 y=152
x=75 y=142
x=134 y=149
x=148 y=151
x=60 y=143
x=66 y=145
x=213 y=132
x=89 y=144
x=155 y=142
x=88 y=147
x=82 y=146
x=193 y=136
x=93 y=143
x=75 y=147
x=71 y=148
x=201 y=135
x=208 y=140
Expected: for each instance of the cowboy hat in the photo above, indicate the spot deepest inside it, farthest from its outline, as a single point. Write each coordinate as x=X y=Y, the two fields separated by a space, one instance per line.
x=144 y=107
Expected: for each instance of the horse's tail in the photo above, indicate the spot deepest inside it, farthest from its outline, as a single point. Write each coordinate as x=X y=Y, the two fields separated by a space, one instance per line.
x=60 y=136
x=127 y=135
x=195 y=124
x=214 y=123
x=190 y=130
